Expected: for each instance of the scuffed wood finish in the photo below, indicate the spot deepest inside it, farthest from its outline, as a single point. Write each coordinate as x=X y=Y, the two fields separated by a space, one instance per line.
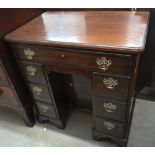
x=120 y=31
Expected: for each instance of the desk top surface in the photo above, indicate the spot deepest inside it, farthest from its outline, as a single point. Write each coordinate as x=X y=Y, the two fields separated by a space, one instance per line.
x=100 y=30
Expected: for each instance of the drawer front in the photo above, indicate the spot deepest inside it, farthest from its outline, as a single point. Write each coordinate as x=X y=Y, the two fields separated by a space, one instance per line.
x=46 y=110
x=3 y=78
x=7 y=96
x=103 y=62
x=112 y=87
x=40 y=92
x=109 y=127
x=109 y=109
x=33 y=72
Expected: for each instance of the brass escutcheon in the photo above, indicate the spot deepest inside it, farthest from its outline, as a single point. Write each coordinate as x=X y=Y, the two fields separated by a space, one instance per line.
x=43 y=108
x=29 y=53
x=110 y=83
x=109 y=107
x=109 y=125
x=103 y=63
x=37 y=90
x=31 y=70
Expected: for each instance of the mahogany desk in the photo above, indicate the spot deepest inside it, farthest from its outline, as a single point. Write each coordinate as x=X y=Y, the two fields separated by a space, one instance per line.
x=87 y=58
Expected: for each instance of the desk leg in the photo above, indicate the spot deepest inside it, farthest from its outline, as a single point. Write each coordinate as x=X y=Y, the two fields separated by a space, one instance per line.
x=101 y=136
x=28 y=116
x=58 y=123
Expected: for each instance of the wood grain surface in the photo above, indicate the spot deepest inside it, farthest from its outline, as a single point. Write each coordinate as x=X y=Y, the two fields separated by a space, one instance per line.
x=114 y=30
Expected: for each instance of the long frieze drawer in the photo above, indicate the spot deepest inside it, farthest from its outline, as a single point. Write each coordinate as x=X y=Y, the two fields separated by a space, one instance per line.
x=7 y=96
x=40 y=92
x=33 y=72
x=102 y=62
x=46 y=110
x=110 y=86
x=109 y=108
x=109 y=127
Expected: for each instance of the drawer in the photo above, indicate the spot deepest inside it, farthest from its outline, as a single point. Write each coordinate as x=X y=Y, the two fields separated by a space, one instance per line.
x=33 y=72
x=46 y=110
x=109 y=108
x=40 y=92
x=101 y=62
x=7 y=96
x=3 y=77
x=109 y=127
x=110 y=86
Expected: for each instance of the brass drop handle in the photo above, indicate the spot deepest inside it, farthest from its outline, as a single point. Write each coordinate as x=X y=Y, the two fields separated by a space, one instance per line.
x=103 y=63
x=109 y=125
x=110 y=83
x=37 y=90
x=29 y=53
x=31 y=70
x=109 y=107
